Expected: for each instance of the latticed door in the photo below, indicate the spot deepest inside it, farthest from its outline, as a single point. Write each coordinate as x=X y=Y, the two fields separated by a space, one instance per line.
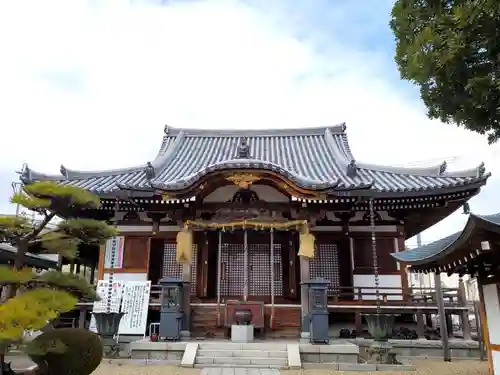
x=171 y=268
x=232 y=277
x=325 y=264
x=259 y=275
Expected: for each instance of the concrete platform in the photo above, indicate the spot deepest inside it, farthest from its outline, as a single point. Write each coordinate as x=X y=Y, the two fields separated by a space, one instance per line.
x=460 y=349
x=260 y=354
x=339 y=355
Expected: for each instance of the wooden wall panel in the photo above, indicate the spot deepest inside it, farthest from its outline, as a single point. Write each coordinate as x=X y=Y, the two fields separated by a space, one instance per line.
x=135 y=255
x=363 y=256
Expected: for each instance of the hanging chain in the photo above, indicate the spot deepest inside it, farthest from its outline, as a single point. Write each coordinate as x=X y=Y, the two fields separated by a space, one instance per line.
x=245 y=265
x=374 y=254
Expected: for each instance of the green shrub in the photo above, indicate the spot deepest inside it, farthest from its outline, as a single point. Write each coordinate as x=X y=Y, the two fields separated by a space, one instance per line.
x=66 y=351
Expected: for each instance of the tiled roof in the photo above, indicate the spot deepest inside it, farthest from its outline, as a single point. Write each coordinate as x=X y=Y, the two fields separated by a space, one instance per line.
x=9 y=251
x=313 y=158
x=445 y=246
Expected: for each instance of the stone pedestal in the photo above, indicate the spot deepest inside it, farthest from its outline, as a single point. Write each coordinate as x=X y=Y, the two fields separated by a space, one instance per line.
x=241 y=334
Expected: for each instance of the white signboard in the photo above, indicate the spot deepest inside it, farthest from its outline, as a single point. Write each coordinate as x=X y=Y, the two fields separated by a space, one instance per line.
x=102 y=291
x=130 y=297
x=114 y=245
x=135 y=306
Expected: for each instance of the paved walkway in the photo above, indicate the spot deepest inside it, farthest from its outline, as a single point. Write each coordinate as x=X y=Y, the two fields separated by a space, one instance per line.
x=239 y=371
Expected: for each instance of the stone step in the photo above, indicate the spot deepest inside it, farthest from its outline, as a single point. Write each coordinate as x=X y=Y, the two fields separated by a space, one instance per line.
x=240 y=366
x=237 y=346
x=243 y=353
x=264 y=362
x=243 y=367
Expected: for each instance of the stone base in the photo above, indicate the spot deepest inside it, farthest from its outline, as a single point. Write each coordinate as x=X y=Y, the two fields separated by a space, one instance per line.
x=241 y=334
x=185 y=334
x=305 y=335
x=381 y=353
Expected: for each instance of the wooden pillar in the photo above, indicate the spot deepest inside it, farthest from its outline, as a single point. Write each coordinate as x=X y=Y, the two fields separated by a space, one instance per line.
x=428 y=320
x=449 y=324
x=186 y=324
x=203 y=266
x=484 y=326
x=358 y=323
x=464 y=315
x=399 y=245
x=420 y=324
x=479 y=330
x=442 y=318
x=92 y=274
x=304 y=297
x=82 y=317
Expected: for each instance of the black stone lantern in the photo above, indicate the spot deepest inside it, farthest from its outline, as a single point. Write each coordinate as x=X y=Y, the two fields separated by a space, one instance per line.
x=172 y=312
x=318 y=310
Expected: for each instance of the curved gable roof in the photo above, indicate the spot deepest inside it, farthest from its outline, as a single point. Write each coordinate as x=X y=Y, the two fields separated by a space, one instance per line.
x=314 y=158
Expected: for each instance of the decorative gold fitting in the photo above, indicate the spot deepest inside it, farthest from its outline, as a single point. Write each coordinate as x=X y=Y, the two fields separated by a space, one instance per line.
x=243 y=180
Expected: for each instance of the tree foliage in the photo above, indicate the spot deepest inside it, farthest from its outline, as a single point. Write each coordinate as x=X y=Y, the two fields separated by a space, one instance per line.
x=66 y=351
x=35 y=299
x=451 y=50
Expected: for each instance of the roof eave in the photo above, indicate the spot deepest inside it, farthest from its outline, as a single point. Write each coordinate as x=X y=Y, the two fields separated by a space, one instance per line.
x=473 y=222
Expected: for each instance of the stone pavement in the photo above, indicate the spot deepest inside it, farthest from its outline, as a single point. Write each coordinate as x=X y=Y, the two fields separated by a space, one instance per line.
x=239 y=371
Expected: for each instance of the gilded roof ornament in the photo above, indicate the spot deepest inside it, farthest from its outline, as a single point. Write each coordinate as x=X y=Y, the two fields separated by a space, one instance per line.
x=243 y=180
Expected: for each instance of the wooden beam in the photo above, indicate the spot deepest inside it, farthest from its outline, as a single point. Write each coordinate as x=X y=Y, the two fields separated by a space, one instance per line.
x=100 y=269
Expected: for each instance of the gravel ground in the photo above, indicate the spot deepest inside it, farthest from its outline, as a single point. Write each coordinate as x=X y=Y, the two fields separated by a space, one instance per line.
x=428 y=367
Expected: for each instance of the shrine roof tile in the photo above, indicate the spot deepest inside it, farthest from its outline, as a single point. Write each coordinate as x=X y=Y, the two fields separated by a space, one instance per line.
x=313 y=158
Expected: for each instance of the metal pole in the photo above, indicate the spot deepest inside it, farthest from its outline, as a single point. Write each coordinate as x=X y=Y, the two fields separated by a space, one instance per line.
x=442 y=318
x=245 y=274
x=272 y=273
x=219 y=268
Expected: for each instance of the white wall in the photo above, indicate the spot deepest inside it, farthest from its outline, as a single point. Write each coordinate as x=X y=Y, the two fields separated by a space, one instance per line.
x=385 y=281
x=128 y=276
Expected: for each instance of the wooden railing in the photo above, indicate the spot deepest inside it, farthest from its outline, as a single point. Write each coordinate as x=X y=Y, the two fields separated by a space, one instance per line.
x=352 y=296
x=395 y=296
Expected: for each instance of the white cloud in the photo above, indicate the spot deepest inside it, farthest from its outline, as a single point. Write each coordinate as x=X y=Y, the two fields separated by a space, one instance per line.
x=91 y=84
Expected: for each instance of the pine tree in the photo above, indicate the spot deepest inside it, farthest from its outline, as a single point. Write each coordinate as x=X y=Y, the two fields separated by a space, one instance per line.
x=32 y=300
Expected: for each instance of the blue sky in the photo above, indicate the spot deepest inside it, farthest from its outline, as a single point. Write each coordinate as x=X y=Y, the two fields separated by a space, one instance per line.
x=90 y=84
